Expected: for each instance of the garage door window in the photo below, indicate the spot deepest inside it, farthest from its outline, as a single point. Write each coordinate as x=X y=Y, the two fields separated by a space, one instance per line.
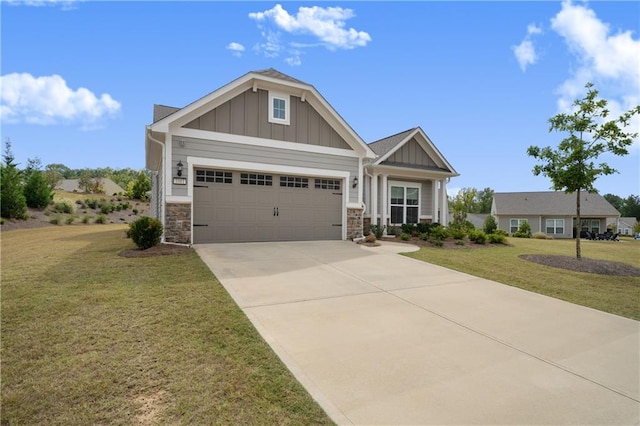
x=332 y=184
x=256 y=179
x=213 y=176
x=294 y=182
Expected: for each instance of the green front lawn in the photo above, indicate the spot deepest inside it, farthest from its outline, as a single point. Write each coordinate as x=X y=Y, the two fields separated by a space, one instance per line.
x=89 y=337
x=616 y=295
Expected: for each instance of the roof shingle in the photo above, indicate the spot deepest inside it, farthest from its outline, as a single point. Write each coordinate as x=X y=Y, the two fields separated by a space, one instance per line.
x=552 y=203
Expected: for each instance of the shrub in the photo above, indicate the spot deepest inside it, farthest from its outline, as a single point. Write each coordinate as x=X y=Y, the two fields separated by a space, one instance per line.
x=57 y=220
x=2 y=220
x=93 y=203
x=541 y=236
x=489 y=225
x=458 y=234
x=107 y=207
x=439 y=233
x=405 y=237
x=70 y=220
x=393 y=230
x=524 y=230
x=37 y=191
x=135 y=211
x=501 y=232
x=377 y=230
x=423 y=228
x=437 y=243
x=424 y=236
x=496 y=238
x=63 y=207
x=478 y=236
x=138 y=188
x=145 y=232
x=86 y=219
x=101 y=219
x=459 y=242
x=409 y=228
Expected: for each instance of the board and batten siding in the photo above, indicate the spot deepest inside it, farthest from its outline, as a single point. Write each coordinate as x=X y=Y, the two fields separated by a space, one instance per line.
x=411 y=154
x=260 y=154
x=247 y=115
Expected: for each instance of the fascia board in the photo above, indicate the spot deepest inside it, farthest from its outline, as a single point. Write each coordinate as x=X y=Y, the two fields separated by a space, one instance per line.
x=411 y=173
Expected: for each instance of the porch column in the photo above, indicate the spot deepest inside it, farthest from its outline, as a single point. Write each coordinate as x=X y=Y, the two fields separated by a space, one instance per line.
x=444 y=209
x=434 y=194
x=374 y=199
x=384 y=203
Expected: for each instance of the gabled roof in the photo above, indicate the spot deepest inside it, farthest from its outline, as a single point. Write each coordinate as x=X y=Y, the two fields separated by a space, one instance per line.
x=552 y=203
x=274 y=73
x=162 y=111
x=382 y=146
x=629 y=221
x=386 y=147
x=261 y=79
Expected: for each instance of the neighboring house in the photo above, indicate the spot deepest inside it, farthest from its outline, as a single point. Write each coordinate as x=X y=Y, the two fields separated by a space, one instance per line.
x=553 y=213
x=624 y=225
x=71 y=185
x=267 y=158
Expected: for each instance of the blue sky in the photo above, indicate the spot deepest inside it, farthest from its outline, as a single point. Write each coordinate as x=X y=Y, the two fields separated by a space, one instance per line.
x=79 y=79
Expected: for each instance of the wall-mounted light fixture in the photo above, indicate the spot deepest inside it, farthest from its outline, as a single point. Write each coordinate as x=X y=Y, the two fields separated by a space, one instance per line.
x=181 y=142
x=180 y=168
x=355 y=181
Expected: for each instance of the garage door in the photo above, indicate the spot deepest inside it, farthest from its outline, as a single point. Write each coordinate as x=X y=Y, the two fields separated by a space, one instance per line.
x=239 y=206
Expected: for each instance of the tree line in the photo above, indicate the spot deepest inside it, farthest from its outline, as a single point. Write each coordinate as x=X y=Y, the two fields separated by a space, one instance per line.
x=34 y=186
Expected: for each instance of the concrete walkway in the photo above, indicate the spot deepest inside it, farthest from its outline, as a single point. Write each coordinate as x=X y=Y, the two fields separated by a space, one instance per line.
x=379 y=338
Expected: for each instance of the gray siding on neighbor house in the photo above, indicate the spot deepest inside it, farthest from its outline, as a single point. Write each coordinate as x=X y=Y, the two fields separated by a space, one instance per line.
x=568 y=226
x=259 y=154
x=411 y=154
x=504 y=222
x=247 y=115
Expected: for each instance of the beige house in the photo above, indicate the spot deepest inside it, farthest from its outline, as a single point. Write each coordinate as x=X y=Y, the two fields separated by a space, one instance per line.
x=552 y=212
x=267 y=158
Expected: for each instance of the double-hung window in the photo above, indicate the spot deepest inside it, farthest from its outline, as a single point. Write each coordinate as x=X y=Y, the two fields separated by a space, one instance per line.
x=405 y=204
x=279 y=108
x=514 y=224
x=555 y=226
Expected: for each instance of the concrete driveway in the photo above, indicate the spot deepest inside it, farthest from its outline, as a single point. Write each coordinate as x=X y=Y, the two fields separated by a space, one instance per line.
x=379 y=338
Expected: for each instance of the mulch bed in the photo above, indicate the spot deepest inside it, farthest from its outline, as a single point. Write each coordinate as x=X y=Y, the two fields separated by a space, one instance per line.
x=590 y=266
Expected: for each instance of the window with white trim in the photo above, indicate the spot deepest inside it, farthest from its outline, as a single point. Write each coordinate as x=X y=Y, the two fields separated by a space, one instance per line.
x=404 y=203
x=555 y=226
x=279 y=108
x=514 y=224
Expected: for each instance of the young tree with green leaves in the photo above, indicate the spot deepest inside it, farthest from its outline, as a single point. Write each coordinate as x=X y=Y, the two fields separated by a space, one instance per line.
x=138 y=188
x=571 y=166
x=12 y=201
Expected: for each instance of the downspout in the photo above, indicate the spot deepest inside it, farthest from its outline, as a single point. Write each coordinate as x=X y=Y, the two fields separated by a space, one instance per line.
x=152 y=139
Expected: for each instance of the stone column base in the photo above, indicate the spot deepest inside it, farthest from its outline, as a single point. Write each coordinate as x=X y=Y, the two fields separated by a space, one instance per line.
x=177 y=223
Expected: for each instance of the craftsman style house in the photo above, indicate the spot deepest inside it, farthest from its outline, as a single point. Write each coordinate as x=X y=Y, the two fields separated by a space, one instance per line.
x=266 y=158
x=552 y=212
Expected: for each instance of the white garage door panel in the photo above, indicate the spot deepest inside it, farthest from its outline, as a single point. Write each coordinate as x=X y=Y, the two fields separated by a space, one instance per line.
x=235 y=212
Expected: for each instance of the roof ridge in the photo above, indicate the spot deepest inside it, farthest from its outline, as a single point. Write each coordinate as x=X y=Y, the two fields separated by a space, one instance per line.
x=394 y=135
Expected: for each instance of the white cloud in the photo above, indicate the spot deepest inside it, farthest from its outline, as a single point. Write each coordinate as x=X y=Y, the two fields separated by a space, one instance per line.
x=65 y=4
x=236 y=49
x=48 y=100
x=525 y=52
x=610 y=60
x=294 y=60
x=328 y=25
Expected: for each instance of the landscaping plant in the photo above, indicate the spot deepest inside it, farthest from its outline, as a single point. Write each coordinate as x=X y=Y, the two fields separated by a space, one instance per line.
x=145 y=232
